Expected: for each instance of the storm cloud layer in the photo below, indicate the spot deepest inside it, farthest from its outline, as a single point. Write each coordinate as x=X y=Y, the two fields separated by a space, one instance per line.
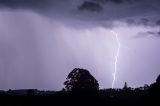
x=110 y=9
x=41 y=41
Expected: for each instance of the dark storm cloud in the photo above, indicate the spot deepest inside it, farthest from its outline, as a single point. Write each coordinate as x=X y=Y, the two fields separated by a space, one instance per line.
x=147 y=34
x=158 y=22
x=15 y=4
x=90 y=6
x=144 y=21
x=45 y=7
x=158 y=34
x=113 y=1
x=141 y=21
x=155 y=34
x=111 y=10
x=43 y=4
x=132 y=12
x=97 y=5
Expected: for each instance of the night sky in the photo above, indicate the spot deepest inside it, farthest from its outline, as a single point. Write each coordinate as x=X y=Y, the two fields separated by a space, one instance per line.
x=41 y=41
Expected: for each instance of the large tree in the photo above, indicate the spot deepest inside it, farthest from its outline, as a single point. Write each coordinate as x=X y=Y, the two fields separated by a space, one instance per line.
x=81 y=80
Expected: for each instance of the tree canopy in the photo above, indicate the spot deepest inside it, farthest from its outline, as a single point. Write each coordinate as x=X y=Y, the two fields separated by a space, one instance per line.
x=81 y=80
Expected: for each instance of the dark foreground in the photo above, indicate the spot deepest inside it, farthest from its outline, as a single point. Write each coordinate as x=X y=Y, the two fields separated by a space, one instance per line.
x=109 y=97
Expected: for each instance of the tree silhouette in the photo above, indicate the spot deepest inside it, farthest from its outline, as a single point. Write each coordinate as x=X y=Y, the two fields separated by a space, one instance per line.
x=125 y=86
x=81 y=80
x=158 y=79
x=154 y=89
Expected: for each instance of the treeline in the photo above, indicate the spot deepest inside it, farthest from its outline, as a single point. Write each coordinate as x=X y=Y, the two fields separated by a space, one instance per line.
x=81 y=88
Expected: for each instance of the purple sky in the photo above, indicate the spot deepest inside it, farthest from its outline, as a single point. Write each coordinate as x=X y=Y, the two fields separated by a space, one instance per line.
x=41 y=42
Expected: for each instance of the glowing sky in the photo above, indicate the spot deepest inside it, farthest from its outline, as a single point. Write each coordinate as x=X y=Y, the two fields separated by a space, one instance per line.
x=41 y=42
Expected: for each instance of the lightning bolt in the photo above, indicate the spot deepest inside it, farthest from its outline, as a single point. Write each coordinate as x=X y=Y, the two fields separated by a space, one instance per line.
x=116 y=57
